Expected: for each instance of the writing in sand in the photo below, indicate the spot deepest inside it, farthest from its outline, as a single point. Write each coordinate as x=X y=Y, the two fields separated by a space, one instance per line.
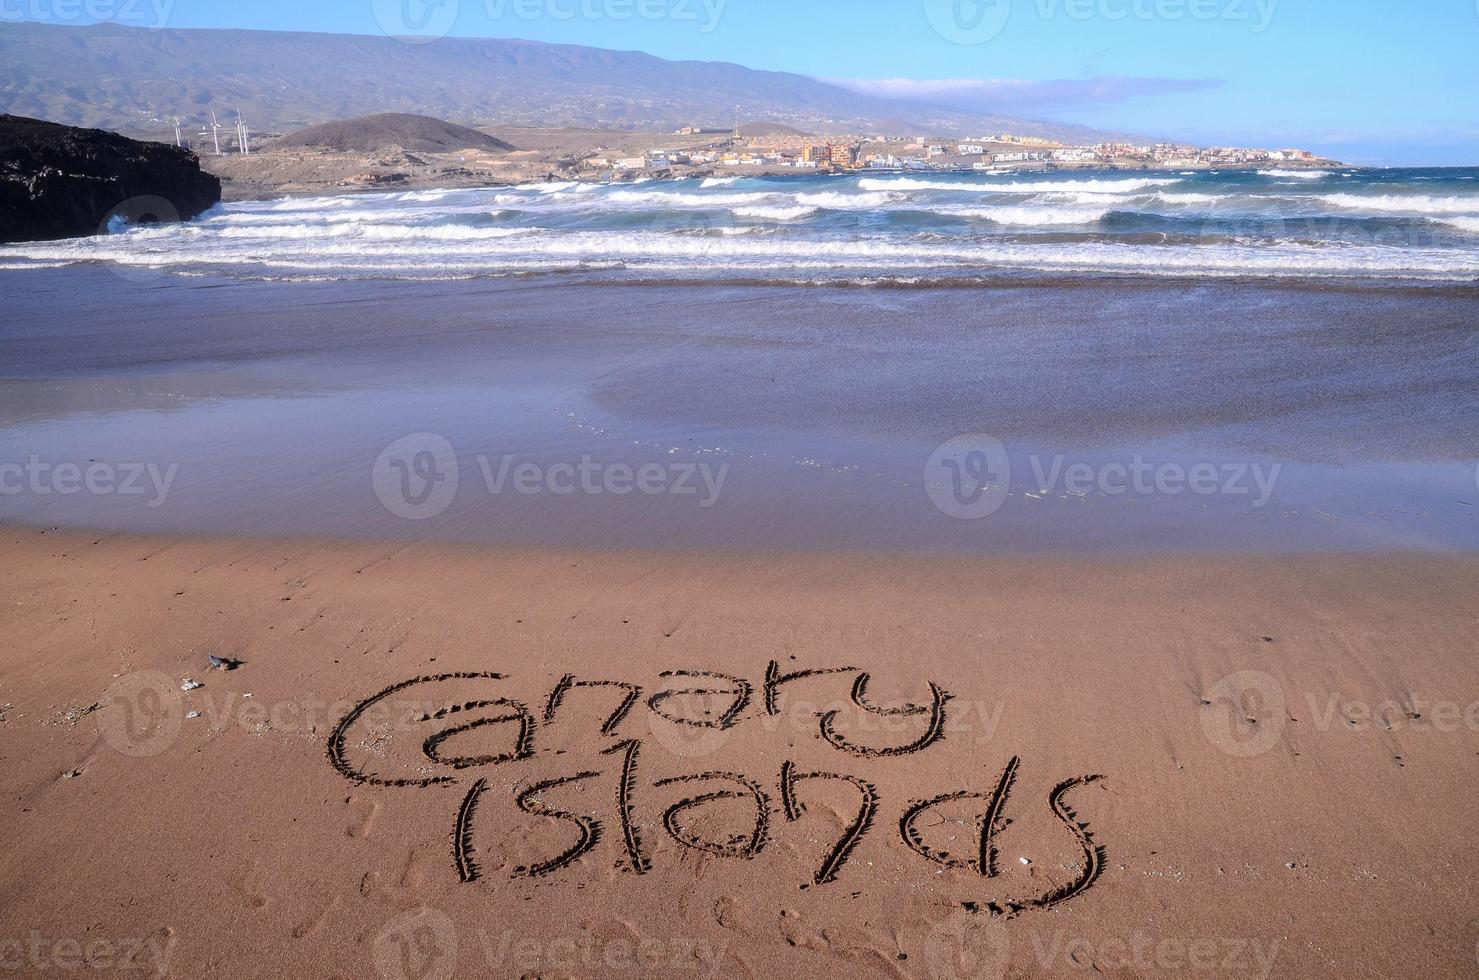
x=452 y=714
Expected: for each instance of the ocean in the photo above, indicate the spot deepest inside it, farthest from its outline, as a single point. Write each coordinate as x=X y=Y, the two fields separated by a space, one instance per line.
x=1409 y=226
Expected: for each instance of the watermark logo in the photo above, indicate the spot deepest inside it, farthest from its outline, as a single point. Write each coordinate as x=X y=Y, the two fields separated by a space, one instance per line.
x=151 y=14
x=140 y=714
x=416 y=21
x=973 y=22
x=1261 y=233
x=968 y=477
x=1244 y=714
x=416 y=476
x=1412 y=713
x=420 y=945
x=586 y=954
x=40 y=955
x=39 y=478
x=967 y=947
x=138 y=212
x=687 y=741
x=706 y=14
x=1140 y=477
x=591 y=478
x=968 y=21
x=1143 y=954
x=135 y=216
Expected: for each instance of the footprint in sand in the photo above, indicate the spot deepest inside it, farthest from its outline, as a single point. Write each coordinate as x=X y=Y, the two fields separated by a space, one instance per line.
x=310 y=925
x=362 y=815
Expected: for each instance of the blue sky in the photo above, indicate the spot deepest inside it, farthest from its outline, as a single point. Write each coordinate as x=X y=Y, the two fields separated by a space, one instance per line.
x=1371 y=81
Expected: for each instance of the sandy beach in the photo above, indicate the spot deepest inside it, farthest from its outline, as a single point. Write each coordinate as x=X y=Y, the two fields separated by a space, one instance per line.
x=1212 y=766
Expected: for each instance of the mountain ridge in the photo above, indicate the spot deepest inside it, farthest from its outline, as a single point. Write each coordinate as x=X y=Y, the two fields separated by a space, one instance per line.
x=138 y=80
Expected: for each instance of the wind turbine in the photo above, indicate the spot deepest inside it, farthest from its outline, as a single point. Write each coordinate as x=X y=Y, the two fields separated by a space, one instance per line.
x=241 y=135
x=216 y=132
x=178 y=141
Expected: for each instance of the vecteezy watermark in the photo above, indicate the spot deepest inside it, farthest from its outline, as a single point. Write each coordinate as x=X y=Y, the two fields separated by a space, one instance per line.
x=968 y=21
x=141 y=713
x=1243 y=714
x=970 y=478
x=587 y=954
x=417 y=477
x=1140 y=953
x=1143 y=478
x=1253 y=231
x=969 y=721
x=416 y=21
x=968 y=947
x=144 y=712
x=422 y=21
x=40 y=478
x=153 y=14
x=705 y=14
x=38 y=955
x=979 y=21
x=419 y=945
x=1411 y=712
x=139 y=215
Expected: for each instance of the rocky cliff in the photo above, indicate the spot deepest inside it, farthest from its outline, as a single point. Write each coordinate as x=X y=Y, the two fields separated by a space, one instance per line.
x=61 y=182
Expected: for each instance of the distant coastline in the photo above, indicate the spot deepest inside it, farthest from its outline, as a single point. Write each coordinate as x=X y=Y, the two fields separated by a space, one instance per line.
x=561 y=155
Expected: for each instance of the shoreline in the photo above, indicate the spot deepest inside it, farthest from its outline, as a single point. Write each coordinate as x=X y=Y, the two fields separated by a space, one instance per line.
x=881 y=230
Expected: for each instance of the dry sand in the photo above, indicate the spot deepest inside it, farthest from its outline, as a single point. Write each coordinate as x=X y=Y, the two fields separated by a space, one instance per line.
x=1249 y=819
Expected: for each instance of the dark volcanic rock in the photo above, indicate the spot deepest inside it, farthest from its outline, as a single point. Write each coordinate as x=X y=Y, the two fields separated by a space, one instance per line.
x=61 y=182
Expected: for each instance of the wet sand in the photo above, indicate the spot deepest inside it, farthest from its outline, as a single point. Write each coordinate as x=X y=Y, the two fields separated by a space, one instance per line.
x=777 y=419
x=1285 y=751
x=1141 y=620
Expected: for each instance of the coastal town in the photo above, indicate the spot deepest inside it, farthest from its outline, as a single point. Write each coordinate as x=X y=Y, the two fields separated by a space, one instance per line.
x=768 y=148
x=405 y=151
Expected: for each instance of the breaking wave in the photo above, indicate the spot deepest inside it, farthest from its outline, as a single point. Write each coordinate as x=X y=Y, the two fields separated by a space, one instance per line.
x=1037 y=216
x=1297 y=174
x=871 y=228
